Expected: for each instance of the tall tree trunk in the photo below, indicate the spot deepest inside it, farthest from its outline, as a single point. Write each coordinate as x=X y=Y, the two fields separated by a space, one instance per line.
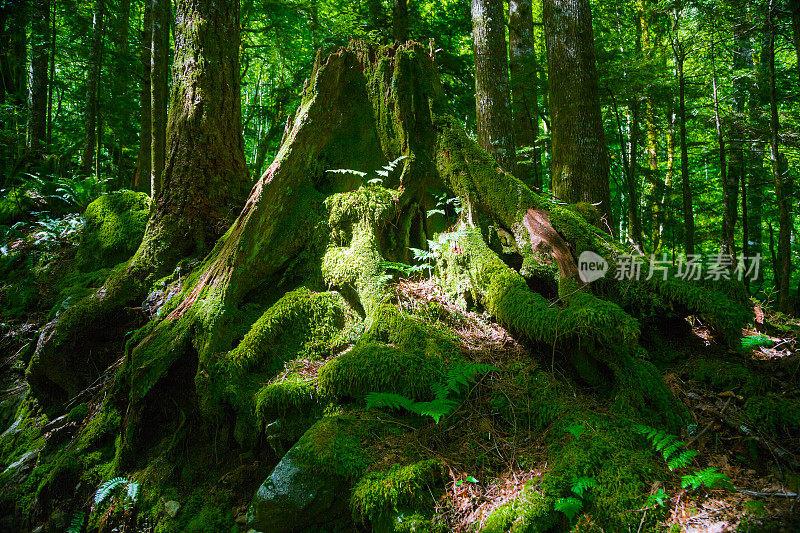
x=52 y=76
x=205 y=185
x=794 y=6
x=141 y=177
x=37 y=85
x=93 y=88
x=728 y=182
x=634 y=197
x=780 y=176
x=580 y=157
x=686 y=186
x=13 y=61
x=492 y=93
x=524 y=89
x=119 y=117
x=400 y=20
x=161 y=16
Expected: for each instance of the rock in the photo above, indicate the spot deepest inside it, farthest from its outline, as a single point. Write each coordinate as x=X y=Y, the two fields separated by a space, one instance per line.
x=171 y=508
x=294 y=497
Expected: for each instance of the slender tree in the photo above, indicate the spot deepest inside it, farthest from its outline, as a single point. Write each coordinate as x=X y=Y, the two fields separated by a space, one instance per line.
x=679 y=49
x=580 y=157
x=492 y=96
x=794 y=6
x=524 y=90
x=158 y=91
x=780 y=175
x=400 y=20
x=141 y=176
x=37 y=84
x=94 y=66
x=730 y=191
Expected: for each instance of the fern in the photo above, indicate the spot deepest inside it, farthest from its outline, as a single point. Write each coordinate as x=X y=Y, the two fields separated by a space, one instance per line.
x=108 y=487
x=569 y=506
x=582 y=484
x=669 y=446
x=708 y=477
x=458 y=378
x=76 y=524
x=657 y=499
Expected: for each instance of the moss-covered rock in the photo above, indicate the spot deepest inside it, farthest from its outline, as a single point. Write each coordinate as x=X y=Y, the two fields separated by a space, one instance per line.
x=529 y=512
x=774 y=414
x=115 y=224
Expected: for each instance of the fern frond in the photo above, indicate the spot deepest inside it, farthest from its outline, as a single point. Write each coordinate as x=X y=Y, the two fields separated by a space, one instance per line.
x=76 y=525
x=347 y=171
x=133 y=491
x=582 y=484
x=106 y=488
x=682 y=460
x=435 y=409
x=569 y=506
x=388 y=400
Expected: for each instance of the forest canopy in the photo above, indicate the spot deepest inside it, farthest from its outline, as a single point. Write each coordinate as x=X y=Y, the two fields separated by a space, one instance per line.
x=315 y=265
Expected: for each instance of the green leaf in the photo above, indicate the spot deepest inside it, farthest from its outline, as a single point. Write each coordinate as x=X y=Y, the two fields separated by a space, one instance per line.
x=472 y=479
x=569 y=506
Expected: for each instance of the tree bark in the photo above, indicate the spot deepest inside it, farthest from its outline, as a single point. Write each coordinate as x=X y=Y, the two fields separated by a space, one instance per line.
x=52 y=76
x=141 y=177
x=119 y=117
x=686 y=186
x=492 y=94
x=37 y=85
x=13 y=61
x=161 y=16
x=580 y=170
x=780 y=176
x=524 y=89
x=728 y=182
x=794 y=6
x=634 y=194
x=205 y=185
x=94 y=66
x=400 y=20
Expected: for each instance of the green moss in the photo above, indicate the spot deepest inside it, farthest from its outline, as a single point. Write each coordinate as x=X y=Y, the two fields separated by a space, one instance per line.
x=729 y=375
x=334 y=445
x=774 y=414
x=529 y=512
x=115 y=224
x=378 y=494
x=372 y=367
x=390 y=325
x=106 y=423
x=617 y=458
x=292 y=394
x=78 y=413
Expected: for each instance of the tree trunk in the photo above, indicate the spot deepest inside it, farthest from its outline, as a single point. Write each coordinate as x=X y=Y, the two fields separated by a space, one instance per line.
x=400 y=20
x=13 y=61
x=686 y=186
x=524 y=90
x=52 y=76
x=634 y=196
x=205 y=184
x=119 y=117
x=580 y=170
x=780 y=176
x=141 y=177
x=794 y=6
x=93 y=88
x=158 y=92
x=492 y=95
x=729 y=184
x=37 y=85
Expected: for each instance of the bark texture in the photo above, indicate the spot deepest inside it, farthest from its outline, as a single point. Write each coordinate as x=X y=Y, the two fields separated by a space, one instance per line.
x=524 y=89
x=38 y=79
x=492 y=95
x=580 y=170
x=206 y=183
x=92 y=109
x=141 y=177
x=400 y=20
x=159 y=57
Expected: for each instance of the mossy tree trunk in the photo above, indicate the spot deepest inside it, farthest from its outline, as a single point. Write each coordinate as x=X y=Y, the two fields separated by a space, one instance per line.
x=141 y=176
x=524 y=89
x=91 y=112
x=580 y=156
x=159 y=56
x=37 y=87
x=205 y=185
x=492 y=93
x=307 y=236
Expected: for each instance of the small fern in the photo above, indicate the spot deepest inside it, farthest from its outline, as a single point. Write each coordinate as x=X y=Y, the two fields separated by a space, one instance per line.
x=669 y=446
x=108 y=487
x=708 y=477
x=569 y=506
x=458 y=378
x=76 y=524
x=582 y=484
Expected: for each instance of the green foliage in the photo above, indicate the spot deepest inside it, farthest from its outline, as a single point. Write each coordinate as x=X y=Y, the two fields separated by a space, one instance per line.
x=76 y=524
x=378 y=494
x=657 y=498
x=707 y=477
x=569 y=506
x=576 y=430
x=131 y=490
x=458 y=378
x=774 y=414
x=751 y=342
x=669 y=446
